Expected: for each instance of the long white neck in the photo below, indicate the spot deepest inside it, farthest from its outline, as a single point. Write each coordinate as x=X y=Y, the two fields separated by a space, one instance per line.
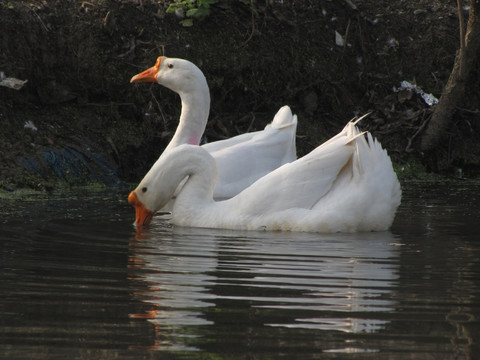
x=194 y=115
x=185 y=162
x=201 y=170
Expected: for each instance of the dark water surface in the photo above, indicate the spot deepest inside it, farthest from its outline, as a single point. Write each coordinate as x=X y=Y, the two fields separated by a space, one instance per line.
x=77 y=282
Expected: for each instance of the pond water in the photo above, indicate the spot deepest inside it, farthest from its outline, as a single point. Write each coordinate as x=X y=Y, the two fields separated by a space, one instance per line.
x=77 y=282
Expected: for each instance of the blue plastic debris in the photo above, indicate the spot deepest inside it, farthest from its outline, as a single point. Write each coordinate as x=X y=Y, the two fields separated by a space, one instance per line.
x=77 y=164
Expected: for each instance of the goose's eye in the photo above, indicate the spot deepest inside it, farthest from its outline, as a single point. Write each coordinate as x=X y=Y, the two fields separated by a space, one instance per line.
x=170 y=66
x=144 y=190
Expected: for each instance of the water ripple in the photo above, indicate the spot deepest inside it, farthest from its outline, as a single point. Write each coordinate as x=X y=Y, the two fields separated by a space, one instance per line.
x=77 y=281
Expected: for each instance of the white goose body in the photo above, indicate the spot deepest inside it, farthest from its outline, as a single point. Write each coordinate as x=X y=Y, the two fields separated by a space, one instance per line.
x=346 y=184
x=240 y=160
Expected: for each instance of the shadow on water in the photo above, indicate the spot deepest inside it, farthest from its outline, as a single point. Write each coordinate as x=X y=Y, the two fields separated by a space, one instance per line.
x=78 y=281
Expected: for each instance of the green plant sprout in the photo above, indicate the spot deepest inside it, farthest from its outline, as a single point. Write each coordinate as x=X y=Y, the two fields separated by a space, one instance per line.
x=193 y=9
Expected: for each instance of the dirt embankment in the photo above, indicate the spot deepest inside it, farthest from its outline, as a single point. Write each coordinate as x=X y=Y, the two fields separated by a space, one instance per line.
x=78 y=119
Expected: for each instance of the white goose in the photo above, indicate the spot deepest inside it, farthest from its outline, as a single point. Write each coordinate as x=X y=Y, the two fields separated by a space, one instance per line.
x=346 y=184
x=241 y=160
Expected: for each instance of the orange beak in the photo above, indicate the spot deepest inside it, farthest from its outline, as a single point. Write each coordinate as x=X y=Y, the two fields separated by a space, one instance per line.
x=149 y=75
x=142 y=214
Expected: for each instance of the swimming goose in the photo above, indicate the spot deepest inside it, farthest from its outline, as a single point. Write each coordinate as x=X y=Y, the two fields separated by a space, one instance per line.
x=347 y=184
x=241 y=160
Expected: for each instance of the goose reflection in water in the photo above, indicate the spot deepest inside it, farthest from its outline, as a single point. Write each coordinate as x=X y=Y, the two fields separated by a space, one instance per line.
x=255 y=281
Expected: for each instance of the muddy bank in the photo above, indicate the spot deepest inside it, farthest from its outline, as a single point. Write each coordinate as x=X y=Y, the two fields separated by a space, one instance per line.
x=327 y=60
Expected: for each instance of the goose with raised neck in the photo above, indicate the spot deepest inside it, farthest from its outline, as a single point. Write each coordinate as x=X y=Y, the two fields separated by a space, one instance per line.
x=241 y=160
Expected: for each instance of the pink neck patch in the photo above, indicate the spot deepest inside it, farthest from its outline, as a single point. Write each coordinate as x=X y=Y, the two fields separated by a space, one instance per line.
x=194 y=139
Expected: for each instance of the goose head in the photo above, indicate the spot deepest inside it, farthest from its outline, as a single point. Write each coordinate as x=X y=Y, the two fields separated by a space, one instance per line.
x=178 y=75
x=148 y=197
x=143 y=215
x=162 y=181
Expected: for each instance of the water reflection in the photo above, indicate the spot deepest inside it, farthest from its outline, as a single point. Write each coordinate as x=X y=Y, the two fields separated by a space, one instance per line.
x=76 y=281
x=340 y=282
x=440 y=267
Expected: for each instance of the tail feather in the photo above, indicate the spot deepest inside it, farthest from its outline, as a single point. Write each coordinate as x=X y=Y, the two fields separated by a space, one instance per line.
x=283 y=118
x=355 y=122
